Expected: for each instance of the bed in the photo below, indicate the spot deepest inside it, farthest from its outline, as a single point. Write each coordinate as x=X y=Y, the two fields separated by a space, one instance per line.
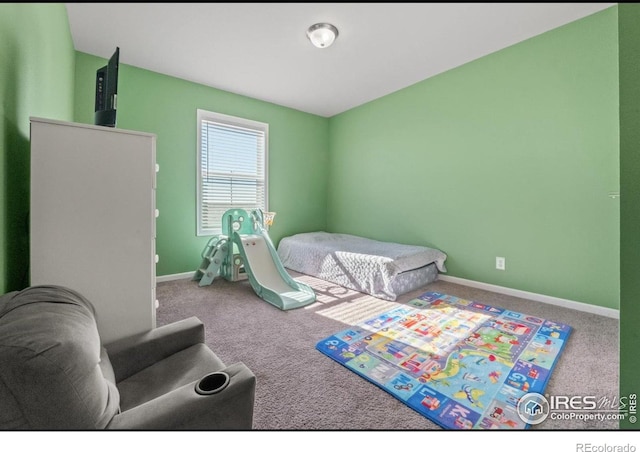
x=382 y=269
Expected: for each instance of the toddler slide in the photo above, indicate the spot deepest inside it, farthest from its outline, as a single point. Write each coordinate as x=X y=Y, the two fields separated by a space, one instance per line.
x=267 y=275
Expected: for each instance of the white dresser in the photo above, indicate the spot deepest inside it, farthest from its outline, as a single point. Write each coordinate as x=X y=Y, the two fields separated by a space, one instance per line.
x=93 y=219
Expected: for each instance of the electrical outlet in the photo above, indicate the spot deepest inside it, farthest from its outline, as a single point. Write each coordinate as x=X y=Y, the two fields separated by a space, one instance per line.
x=500 y=263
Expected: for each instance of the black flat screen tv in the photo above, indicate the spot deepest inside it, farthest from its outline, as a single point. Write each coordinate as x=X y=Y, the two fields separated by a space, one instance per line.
x=107 y=92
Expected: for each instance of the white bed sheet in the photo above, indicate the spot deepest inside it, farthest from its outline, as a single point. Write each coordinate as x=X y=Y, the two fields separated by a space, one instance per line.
x=359 y=263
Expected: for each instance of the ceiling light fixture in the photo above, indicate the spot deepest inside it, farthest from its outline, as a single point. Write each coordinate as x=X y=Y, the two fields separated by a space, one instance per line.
x=322 y=35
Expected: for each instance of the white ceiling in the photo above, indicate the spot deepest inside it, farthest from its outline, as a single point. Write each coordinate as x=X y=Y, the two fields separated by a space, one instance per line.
x=261 y=50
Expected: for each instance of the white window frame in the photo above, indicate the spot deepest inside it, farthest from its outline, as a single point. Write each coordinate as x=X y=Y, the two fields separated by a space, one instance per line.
x=232 y=121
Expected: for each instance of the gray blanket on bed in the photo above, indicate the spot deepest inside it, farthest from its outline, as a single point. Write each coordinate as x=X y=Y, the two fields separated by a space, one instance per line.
x=355 y=262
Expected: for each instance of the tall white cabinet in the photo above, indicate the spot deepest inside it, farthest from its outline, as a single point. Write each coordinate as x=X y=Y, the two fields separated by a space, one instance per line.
x=93 y=219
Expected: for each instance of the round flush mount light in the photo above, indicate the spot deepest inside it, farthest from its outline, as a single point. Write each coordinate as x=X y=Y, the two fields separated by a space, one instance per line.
x=322 y=35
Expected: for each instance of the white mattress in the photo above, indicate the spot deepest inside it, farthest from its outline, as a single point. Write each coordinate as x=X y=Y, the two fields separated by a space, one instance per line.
x=362 y=264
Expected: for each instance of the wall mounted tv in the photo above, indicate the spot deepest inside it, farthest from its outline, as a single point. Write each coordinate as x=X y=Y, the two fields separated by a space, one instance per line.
x=107 y=92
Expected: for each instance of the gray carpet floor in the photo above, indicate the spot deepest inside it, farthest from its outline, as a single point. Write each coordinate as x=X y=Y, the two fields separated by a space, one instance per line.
x=299 y=388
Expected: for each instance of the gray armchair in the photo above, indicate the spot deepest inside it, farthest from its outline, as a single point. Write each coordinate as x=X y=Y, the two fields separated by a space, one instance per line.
x=56 y=374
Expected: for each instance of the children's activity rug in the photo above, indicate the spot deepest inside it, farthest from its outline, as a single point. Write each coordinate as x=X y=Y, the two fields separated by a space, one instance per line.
x=462 y=364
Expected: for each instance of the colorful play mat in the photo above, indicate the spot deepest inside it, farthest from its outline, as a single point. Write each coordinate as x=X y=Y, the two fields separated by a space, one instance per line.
x=462 y=364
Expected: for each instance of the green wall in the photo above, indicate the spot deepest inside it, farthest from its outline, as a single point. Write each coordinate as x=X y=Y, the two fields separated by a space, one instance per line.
x=36 y=79
x=629 y=38
x=510 y=155
x=166 y=106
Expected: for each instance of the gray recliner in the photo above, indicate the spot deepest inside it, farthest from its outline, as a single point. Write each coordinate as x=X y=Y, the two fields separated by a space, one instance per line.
x=56 y=374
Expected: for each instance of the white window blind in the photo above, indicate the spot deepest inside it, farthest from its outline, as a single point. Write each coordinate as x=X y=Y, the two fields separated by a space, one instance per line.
x=232 y=173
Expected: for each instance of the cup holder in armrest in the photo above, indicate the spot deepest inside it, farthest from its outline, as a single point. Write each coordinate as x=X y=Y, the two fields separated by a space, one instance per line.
x=212 y=383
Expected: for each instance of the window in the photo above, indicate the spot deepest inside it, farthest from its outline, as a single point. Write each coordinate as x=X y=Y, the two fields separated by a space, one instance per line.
x=232 y=160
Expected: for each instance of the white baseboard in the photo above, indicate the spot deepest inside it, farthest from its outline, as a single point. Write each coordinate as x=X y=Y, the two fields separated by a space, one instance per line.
x=585 y=307
x=186 y=275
